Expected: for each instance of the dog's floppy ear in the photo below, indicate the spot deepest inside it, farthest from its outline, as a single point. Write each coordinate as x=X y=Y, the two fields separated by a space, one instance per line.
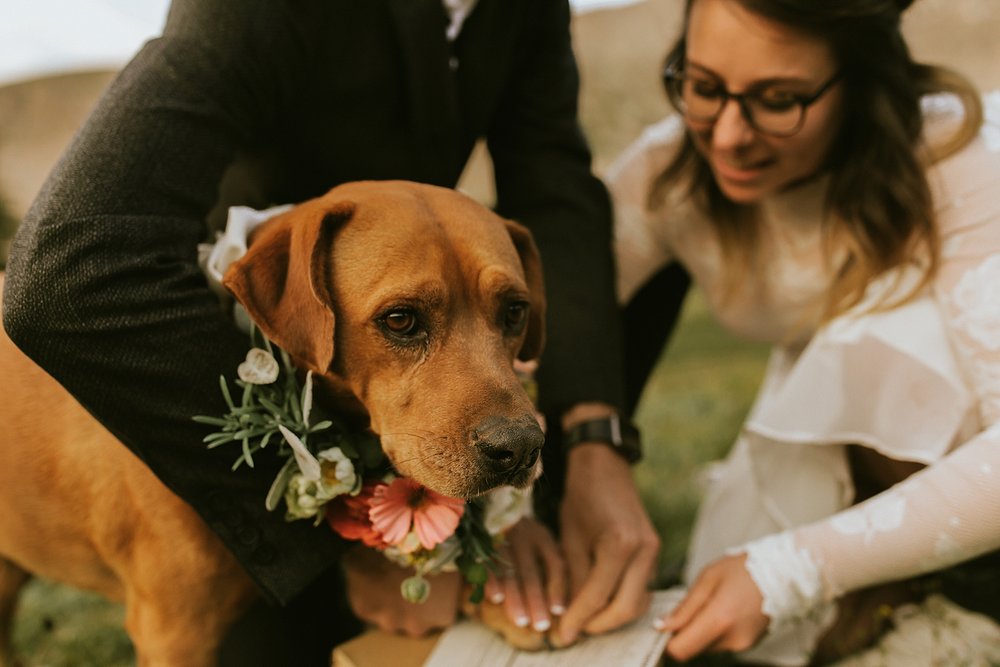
x=534 y=341
x=283 y=281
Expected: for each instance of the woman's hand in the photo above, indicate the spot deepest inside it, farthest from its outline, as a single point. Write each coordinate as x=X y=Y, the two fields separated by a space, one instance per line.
x=373 y=590
x=532 y=584
x=721 y=612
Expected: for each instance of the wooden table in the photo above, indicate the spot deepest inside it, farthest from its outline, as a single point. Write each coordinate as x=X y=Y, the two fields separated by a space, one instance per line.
x=375 y=648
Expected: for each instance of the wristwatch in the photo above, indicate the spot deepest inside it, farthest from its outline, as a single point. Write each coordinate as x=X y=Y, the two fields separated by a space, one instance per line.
x=613 y=431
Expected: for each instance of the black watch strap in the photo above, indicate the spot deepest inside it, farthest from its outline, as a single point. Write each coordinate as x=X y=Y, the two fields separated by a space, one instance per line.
x=613 y=431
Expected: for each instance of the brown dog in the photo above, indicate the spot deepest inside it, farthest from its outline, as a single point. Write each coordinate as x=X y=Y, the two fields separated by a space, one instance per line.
x=410 y=301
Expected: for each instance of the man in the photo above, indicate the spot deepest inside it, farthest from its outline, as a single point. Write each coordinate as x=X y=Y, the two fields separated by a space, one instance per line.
x=262 y=102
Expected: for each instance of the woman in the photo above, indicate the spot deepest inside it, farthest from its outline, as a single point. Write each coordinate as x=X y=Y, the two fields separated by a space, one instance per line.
x=833 y=197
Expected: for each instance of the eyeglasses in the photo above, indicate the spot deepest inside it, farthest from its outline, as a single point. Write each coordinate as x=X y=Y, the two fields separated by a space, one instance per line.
x=770 y=110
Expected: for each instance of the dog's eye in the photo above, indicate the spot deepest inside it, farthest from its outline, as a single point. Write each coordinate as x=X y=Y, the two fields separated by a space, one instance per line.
x=401 y=322
x=515 y=315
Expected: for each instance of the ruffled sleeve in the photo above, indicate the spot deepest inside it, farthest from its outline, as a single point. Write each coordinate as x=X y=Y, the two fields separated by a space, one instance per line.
x=949 y=511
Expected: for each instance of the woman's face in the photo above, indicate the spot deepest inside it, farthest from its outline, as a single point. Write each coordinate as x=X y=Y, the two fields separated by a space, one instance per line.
x=744 y=52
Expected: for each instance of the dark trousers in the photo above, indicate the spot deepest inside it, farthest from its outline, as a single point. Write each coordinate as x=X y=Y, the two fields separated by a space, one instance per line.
x=300 y=634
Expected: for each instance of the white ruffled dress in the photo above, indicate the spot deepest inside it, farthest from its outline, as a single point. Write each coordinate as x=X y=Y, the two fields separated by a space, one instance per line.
x=917 y=383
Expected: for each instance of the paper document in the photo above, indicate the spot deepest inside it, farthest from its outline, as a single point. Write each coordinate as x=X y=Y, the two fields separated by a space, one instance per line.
x=471 y=644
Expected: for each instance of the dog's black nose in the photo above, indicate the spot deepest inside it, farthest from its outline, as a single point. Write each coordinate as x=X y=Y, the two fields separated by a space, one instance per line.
x=507 y=446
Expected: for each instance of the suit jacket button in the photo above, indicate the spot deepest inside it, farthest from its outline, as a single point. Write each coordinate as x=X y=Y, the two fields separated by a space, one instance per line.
x=264 y=554
x=248 y=534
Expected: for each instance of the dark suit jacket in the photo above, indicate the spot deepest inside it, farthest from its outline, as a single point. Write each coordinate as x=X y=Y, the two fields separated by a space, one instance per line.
x=293 y=96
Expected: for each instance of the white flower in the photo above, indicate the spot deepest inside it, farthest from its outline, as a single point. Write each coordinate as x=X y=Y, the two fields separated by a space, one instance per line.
x=977 y=298
x=410 y=543
x=337 y=473
x=259 y=368
x=307 y=463
x=304 y=497
x=306 y=494
x=408 y=553
x=505 y=507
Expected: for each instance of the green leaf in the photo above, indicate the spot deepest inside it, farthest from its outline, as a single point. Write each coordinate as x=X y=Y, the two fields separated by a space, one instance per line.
x=246 y=452
x=321 y=426
x=370 y=451
x=266 y=439
x=277 y=490
x=247 y=394
x=296 y=409
x=272 y=407
x=225 y=392
x=350 y=451
x=477 y=593
x=476 y=574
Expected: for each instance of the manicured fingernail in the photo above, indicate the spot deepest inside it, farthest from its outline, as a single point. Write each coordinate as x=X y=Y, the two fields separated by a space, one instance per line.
x=497 y=598
x=557 y=609
x=522 y=621
x=542 y=625
x=659 y=624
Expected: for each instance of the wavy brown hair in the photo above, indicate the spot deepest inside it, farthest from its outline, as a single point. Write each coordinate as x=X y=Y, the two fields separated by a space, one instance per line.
x=878 y=205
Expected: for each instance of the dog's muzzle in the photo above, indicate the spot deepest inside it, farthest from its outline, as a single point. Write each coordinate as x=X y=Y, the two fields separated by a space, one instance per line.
x=509 y=448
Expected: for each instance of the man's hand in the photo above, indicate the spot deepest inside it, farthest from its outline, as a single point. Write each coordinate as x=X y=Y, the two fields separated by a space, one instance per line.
x=721 y=612
x=608 y=541
x=373 y=591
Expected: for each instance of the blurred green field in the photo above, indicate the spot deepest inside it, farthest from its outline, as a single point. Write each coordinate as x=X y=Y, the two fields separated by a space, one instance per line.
x=690 y=412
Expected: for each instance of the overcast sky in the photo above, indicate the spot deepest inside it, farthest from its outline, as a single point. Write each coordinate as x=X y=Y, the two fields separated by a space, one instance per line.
x=41 y=37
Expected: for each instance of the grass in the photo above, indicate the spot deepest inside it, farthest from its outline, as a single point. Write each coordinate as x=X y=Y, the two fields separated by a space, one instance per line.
x=693 y=405
x=57 y=626
x=690 y=412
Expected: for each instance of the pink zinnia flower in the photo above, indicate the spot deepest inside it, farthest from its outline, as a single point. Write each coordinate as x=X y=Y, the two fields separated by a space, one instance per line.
x=404 y=504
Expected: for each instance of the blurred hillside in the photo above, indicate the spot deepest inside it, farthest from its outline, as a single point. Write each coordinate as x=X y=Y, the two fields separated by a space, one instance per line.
x=620 y=51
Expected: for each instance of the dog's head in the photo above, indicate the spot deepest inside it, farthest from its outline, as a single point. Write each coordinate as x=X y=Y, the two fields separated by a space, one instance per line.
x=414 y=301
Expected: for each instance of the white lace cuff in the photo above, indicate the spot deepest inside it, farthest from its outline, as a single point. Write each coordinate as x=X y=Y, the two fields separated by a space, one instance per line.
x=787 y=577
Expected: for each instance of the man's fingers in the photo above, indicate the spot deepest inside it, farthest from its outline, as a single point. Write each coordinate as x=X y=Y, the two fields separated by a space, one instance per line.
x=632 y=597
x=593 y=596
x=578 y=560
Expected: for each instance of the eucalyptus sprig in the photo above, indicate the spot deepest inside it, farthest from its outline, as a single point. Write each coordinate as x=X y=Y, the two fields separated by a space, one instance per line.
x=263 y=408
x=275 y=407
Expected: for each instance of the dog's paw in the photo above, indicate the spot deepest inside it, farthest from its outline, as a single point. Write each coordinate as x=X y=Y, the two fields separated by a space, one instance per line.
x=527 y=638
